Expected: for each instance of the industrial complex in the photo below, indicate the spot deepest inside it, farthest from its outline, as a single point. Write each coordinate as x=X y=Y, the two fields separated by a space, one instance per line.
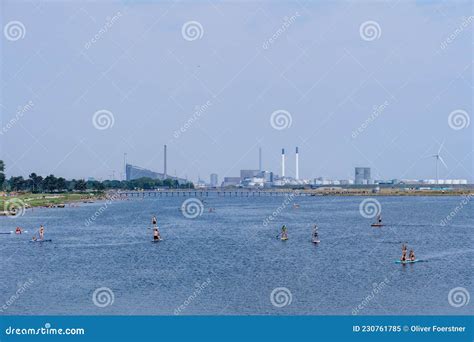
x=260 y=178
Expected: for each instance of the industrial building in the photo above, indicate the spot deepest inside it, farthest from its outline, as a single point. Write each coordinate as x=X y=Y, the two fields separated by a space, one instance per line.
x=214 y=180
x=362 y=176
x=244 y=174
x=231 y=181
x=135 y=172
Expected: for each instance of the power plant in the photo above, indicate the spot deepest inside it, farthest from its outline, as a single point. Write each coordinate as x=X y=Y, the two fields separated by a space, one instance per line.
x=297 y=165
x=134 y=172
x=261 y=178
x=297 y=172
x=164 y=163
x=282 y=162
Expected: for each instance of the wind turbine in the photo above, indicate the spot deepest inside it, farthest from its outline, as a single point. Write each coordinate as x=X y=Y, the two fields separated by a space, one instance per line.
x=439 y=159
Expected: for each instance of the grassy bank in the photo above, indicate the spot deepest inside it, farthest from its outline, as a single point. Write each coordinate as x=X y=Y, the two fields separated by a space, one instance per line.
x=46 y=200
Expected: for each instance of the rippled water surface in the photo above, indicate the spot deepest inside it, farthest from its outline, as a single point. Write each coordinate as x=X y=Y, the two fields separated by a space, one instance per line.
x=229 y=261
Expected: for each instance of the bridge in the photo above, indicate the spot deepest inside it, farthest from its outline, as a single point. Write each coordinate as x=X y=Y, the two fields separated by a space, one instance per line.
x=207 y=193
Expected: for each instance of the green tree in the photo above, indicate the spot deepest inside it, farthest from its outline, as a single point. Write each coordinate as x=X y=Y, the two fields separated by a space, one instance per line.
x=61 y=184
x=50 y=183
x=80 y=185
x=35 y=182
x=17 y=183
x=2 y=174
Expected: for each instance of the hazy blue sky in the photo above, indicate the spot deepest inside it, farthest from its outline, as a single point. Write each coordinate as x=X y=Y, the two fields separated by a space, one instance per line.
x=320 y=67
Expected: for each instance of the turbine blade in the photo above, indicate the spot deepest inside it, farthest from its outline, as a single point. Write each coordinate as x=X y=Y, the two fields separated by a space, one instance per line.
x=442 y=161
x=441 y=146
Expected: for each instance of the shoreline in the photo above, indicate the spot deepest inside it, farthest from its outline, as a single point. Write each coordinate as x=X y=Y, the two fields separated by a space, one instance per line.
x=30 y=200
x=60 y=200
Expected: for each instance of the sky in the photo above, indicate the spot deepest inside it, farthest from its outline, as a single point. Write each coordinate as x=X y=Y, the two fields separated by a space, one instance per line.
x=351 y=83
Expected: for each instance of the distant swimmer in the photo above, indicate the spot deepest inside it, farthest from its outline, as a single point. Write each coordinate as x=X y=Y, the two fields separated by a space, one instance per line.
x=412 y=255
x=41 y=232
x=18 y=230
x=156 y=234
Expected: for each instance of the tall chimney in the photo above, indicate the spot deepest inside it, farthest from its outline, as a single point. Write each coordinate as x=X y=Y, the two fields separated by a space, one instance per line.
x=260 y=159
x=125 y=166
x=297 y=165
x=283 y=162
x=164 y=171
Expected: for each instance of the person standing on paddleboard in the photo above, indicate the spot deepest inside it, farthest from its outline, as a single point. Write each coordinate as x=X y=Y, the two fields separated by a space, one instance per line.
x=412 y=255
x=156 y=234
x=41 y=232
x=284 y=232
x=404 y=253
x=154 y=221
x=315 y=233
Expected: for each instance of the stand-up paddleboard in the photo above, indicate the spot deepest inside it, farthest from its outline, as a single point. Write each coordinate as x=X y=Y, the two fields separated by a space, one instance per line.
x=47 y=240
x=284 y=238
x=13 y=232
x=408 y=261
x=378 y=223
x=315 y=241
x=160 y=239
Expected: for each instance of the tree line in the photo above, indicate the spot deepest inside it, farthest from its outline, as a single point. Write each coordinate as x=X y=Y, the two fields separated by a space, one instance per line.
x=37 y=184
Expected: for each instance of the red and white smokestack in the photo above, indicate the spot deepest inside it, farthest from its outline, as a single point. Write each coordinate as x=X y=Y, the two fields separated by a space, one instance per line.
x=165 y=174
x=297 y=165
x=283 y=162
